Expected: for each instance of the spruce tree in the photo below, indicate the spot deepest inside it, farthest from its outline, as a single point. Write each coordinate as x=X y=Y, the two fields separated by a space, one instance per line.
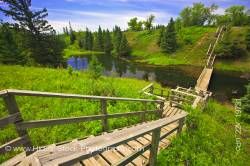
x=72 y=34
x=169 y=41
x=124 y=49
x=107 y=42
x=99 y=40
x=117 y=37
x=39 y=40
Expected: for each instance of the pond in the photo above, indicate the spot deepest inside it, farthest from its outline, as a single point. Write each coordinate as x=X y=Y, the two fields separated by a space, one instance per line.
x=224 y=85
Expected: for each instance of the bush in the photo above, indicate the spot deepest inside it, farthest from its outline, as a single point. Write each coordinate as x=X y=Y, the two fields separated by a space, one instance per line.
x=95 y=68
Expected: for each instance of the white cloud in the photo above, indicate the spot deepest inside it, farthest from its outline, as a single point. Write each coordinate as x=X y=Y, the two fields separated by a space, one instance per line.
x=82 y=19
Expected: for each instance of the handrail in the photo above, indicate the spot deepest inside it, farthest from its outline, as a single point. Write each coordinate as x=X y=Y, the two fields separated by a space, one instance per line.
x=66 y=95
x=98 y=144
x=21 y=126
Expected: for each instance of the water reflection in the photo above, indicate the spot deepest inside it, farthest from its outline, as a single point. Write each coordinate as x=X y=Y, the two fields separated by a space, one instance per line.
x=223 y=84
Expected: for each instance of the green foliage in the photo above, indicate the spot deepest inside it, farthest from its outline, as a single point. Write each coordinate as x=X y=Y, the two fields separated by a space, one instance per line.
x=108 y=46
x=198 y=14
x=88 y=40
x=168 y=41
x=9 y=51
x=237 y=15
x=71 y=34
x=37 y=39
x=124 y=49
x=95 y=68
x=70 y=70
x=135 y=25
x=149 y=22
x=58 y=80
x=231 y=47
x=209 y=139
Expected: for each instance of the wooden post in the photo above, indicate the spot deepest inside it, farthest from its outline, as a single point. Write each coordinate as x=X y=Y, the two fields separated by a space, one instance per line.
x=143 y=116
x=12 y=108
x=181 y=123
x=161 y=109
x=154 y=147
x=104 y=112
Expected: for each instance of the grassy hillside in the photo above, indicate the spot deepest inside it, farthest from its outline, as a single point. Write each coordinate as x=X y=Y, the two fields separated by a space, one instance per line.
x=241 y=64
x=59 y=80
x=209 y=139
x=193 y=44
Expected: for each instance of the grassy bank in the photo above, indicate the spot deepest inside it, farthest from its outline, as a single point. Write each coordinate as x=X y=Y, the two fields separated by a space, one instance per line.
x=242 y=63
x=209 y=139
x=193 y=45
x=59 y=80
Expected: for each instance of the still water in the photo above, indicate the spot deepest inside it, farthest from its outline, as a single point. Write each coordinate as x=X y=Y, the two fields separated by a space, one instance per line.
x=224 y=85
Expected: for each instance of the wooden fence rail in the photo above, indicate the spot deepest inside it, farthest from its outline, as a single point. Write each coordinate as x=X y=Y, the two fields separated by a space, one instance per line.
x=15 y=117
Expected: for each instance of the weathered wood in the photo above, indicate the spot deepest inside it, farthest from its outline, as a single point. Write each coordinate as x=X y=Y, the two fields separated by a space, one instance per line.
x=74 y=96
x=98 y=144
x=62 y=121
x=18 y=142
x=147 y=87
x=133 y=155
x=104 y=112
x=13 y=118
x=12 y=108
x=181 y=123
x=154 y=147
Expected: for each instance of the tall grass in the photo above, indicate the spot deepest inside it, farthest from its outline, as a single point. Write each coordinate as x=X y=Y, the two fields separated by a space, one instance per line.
x=59 y=80
x=209 y=139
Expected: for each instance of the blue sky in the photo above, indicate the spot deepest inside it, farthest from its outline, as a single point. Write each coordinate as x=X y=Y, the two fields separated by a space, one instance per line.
x=107 y=13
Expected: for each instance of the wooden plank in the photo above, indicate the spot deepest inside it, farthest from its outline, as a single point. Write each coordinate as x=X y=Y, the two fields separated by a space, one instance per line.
x=10 y=119
x=112 y=156
x=18 y=142
x=154 y=147
x=98 y=144
x=133 y=156
x=62 y=121
x=15 y=160
x=127 y=151
x=137 y=146
x=91 y=161
x=65 y=95
x=3 y=92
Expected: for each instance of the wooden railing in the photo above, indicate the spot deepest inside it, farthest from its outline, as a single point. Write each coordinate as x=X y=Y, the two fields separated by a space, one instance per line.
x=91 y=147
x=21 y=125
x=159 y=93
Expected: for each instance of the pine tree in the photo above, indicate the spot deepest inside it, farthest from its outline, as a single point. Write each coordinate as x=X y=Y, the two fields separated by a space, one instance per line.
x=117 y=36
x=169 y=41
x=124 y=49
x=107 y=42
x=40 y=40
x=99 y=46
x=72 y=34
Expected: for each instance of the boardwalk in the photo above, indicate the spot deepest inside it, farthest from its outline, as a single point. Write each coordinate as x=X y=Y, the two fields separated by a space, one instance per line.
x=135 y=145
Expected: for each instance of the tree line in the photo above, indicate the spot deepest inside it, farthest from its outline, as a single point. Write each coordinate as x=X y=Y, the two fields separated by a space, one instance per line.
x=114 y=42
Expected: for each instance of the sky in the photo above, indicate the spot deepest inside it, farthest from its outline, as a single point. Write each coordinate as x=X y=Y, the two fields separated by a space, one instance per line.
x=108 y=13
